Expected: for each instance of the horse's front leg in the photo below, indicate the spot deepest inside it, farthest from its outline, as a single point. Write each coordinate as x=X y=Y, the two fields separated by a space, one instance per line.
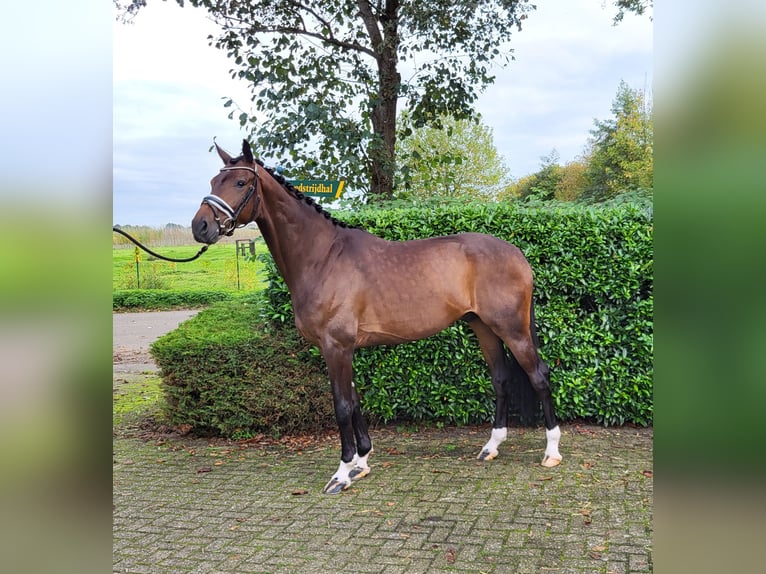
x=355 y=442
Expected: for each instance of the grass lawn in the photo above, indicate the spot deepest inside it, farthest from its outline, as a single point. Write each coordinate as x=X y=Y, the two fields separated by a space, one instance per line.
x=216 y=269
x=136 y=398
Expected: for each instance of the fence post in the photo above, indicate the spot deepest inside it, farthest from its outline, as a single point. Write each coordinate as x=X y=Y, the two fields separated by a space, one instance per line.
x=241 y=245
x=138 y=263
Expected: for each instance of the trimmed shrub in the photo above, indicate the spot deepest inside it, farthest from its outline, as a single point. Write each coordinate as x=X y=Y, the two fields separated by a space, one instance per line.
x=223 y=374
x=593 y=303
x=154 y=299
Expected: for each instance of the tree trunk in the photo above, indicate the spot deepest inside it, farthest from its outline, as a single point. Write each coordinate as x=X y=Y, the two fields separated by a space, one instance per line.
x=385 y=42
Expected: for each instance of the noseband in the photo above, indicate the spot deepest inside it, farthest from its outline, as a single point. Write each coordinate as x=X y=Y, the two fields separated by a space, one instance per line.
x=219 y=206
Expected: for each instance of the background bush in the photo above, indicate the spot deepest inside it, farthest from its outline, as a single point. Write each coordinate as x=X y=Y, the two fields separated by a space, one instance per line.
x=241 y=367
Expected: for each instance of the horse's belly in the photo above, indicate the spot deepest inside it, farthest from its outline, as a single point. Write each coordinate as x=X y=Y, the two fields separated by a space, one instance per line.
x=406 y=324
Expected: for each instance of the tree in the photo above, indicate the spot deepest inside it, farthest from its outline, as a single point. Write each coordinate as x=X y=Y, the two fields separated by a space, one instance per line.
x=540 y=185
x=622 y=147
x=457 y=160
x=573 y=180
x=327 y=75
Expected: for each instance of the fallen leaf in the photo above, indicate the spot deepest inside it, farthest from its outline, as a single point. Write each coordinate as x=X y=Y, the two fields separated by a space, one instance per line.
x=647 y=473
x=299 y=492
x=204 y=469
x=587 y=465
x=451 y=555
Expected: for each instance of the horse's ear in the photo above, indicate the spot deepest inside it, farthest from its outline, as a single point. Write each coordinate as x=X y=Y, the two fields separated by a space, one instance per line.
x=247 y=151
x=222 y=154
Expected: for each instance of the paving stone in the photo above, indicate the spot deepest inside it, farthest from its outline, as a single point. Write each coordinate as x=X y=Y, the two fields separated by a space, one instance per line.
x=428 y=509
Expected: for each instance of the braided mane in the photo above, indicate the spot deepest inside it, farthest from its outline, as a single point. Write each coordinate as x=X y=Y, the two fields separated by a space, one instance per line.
x=308 y=200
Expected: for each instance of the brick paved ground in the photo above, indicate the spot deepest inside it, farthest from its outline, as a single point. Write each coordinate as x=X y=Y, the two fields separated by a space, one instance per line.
x=183 y=505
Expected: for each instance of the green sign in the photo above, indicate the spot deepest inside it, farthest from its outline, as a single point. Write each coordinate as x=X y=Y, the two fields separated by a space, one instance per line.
x=320 y=187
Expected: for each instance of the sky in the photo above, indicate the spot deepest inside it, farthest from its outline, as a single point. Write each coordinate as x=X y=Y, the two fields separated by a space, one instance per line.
x=169 y=87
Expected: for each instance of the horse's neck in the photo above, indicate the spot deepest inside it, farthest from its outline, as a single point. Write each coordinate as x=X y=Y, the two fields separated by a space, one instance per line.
x=297 y=236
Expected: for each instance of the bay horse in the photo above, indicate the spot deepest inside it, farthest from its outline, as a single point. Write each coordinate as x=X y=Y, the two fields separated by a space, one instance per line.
x=351 y=289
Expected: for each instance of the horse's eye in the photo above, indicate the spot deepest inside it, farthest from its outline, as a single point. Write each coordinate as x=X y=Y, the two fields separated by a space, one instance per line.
x=241 y=183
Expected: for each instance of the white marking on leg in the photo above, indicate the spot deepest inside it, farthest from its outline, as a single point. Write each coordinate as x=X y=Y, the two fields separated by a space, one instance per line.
x=552 y=456
x=490 y=449
x=344 y=469
x=340 y=480
x=361 y=468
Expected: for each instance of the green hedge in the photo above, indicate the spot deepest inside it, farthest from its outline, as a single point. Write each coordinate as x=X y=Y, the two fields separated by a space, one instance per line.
x=224 y=375
x=160 y=299
x=594 y=306
x=240 y=367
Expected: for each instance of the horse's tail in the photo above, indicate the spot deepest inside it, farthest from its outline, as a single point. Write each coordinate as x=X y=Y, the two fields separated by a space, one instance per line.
x=525 y=405
x=533 y=325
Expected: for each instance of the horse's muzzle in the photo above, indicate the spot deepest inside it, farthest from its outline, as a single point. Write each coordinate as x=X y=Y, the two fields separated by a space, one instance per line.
x=204 y=231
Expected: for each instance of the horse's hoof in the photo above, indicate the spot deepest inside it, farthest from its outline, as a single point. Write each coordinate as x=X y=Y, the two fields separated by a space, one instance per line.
x=335 y=486
x=358 y=472
x=550 y=462
x=487 y=454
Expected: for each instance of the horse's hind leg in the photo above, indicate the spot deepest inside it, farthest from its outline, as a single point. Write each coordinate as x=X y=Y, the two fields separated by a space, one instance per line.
x=500 y=370
x=516 y=329
x=525 y=352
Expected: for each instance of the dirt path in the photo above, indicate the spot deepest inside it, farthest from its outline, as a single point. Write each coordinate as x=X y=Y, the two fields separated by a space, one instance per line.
x=132 y=333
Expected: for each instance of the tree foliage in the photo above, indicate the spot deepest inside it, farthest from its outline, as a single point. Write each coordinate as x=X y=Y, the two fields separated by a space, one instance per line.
x=327 y=76
x=459 y=159
x=636 y=6
x=622 y=147
x=573 y=180
x=618 y=160
x=539 y=186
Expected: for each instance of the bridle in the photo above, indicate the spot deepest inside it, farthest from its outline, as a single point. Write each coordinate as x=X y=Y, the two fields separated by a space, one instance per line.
x=220 y=207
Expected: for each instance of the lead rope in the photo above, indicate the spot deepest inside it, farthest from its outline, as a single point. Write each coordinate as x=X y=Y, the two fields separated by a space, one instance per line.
x=157 y=255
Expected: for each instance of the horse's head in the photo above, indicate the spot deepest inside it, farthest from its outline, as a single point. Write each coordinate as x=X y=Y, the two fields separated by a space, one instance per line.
x=235 y=185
